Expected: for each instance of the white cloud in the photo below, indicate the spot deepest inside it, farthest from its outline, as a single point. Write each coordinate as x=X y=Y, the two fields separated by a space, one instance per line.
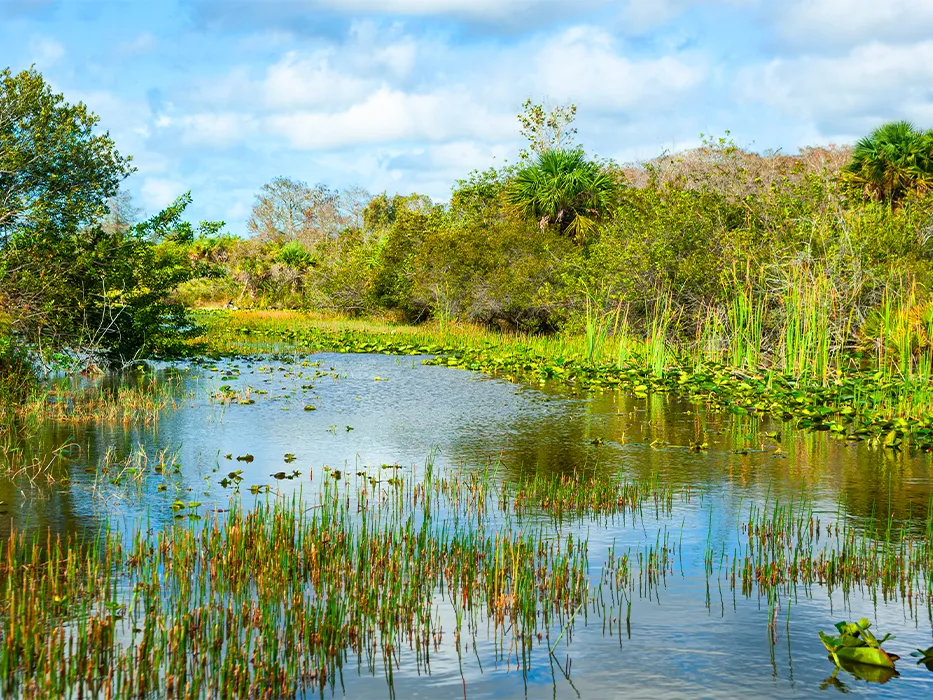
x=388 y=116
x=144 y=43
x=641 y=16
x=431 y=169
x=307 y=17
x=325 y=100
x=45 y=52
x=213 y=129
x=871 y=83
x=817 y=23
x=157 y=193
x=311 y=81
x=585 y=64
x=474 y=9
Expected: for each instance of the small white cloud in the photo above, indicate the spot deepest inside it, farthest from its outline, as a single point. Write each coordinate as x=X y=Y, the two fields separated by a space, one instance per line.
x=819 y=24
x=311 y=81
x=585 y=64
x=871 y=83
x=213 y=129
x=45 y=51
x=388 y=116
x=470 y=9
x=157 y=193
x=144 y=43
x=639 y=16
x=217 y=130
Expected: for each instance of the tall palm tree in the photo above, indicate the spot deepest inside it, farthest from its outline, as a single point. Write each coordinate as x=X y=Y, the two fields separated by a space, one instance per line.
x=565 y=189
x=892 y=161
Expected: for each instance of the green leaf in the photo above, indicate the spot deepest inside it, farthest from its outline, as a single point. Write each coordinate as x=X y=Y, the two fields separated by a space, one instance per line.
x=867 y=655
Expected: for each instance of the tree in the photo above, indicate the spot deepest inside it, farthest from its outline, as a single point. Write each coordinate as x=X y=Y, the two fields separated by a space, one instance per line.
x=479 y=200
x=565 y=189
x=101 y=295
x=382 y=211
x=55 y=172
x=289 y=210
x=79 y=281
x=894 y=160
x=547 y=129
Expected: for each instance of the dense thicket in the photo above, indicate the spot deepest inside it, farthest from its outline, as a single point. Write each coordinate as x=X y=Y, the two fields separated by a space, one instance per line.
x=80 y=282
x=747 y=257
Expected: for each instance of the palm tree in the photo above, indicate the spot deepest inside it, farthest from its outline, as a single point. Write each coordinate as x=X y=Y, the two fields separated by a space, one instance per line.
x=563 y=188
x=894 y=160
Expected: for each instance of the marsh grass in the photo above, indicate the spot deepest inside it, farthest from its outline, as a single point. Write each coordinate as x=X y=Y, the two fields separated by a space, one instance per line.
x=276 y=599
x=806 y=345
x=281 y=598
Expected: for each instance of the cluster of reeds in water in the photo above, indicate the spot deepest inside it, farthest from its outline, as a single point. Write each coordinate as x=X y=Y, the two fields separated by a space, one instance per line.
x=787 y=545
x=284 y=597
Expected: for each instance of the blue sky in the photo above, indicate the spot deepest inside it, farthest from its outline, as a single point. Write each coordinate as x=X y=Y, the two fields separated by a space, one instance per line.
x=220 y=96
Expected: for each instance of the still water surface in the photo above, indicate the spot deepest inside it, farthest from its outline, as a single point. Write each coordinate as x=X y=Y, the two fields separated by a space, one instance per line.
x=693 y=637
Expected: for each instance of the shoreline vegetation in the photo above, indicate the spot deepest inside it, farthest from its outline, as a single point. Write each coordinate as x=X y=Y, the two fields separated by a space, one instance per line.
x=852 y=400
x=796 y=284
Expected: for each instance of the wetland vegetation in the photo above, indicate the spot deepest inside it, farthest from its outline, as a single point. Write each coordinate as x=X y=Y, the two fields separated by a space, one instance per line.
x=585 y=426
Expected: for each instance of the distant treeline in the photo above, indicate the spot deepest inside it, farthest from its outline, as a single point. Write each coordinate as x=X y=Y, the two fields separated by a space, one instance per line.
x=802 y=239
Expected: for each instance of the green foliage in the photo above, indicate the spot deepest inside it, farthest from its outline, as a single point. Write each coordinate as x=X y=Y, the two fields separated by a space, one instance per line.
x=480 y=199
x=547 y=129
x=382 y=211
x=343 y=280
x=395 y=273
x=56 y=174
x=294 y=254
x=102 y=295
x=717 y=253
x=16 y=374
x=855 y=643
x=565 y=189
x=79 y=283
x=892 y=162
x=489 y=274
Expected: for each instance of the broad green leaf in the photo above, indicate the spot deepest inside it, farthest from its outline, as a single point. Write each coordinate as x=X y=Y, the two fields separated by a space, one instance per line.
x=867 y=655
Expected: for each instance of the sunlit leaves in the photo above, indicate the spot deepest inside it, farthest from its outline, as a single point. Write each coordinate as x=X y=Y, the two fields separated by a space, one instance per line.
x=893 y=161
x=564 y=189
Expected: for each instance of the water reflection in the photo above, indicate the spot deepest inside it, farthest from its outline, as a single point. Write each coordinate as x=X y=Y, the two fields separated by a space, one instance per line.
x=375 y=410
x=471 y=420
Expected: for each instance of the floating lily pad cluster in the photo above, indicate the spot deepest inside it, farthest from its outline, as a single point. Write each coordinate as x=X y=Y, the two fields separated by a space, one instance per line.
x=856 y=404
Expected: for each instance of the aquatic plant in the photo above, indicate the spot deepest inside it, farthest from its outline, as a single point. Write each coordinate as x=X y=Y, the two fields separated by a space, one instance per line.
x=858 y=404
x=855 y=643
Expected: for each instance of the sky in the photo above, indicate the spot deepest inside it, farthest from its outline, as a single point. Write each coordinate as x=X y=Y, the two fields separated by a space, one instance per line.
x=220 y=96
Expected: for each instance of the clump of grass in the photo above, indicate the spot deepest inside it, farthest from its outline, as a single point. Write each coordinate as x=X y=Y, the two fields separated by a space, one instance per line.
x=787 y=545
x=278 y=599
x=746 y=321
x=808 y=307
x=72 y=401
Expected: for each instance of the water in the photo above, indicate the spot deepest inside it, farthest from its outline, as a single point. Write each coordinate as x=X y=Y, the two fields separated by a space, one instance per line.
x=693 y=636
